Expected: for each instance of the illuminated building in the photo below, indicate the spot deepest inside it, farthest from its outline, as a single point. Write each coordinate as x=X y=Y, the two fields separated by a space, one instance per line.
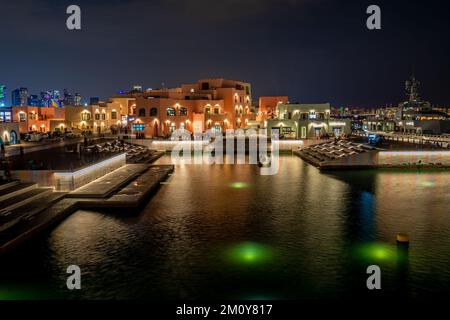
x=216 y=104
x=2 y=96
x=19 y=97
x=268 y=106
x=412 y=116
x=306 y=121
x=96 y=118
x=77 y=99
x=33 y=100
x=42 y=119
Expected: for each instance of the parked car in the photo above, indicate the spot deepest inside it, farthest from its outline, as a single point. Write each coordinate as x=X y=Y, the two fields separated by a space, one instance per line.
x=33 y=136
x=69 y=135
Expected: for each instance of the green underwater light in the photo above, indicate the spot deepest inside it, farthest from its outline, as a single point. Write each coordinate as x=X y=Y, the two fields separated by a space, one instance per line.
x=250 y=253
x=376 y=252
x=239 y=185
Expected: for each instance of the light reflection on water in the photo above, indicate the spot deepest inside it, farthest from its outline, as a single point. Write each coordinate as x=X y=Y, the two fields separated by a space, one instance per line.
x=224 y=231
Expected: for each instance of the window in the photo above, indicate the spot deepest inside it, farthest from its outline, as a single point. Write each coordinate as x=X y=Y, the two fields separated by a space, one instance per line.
x=142 y=112
x=183 y=111
x=103 y=116
x=85 y=116
x=114 y=115
x=153 y=112
x=216 y=110
x=217 y=129
x=138 y=126
x=207 y=111
x=170 y=112
x=205 y=86
x=97 y=116
x=22 y=117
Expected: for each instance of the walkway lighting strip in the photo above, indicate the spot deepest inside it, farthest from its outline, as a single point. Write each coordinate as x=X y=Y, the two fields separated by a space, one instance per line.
x=91 y=168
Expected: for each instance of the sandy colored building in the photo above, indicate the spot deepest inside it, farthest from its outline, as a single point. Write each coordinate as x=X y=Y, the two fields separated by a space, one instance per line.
x=268 y=106
x=307 y=121
x=42 y=119
x=216 y=104
x=100 y=118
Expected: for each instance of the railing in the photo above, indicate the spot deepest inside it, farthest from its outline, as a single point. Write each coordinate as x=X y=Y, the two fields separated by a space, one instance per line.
x=444 y=140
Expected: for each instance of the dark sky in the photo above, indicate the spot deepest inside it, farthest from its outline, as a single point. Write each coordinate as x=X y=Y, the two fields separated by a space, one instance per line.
x=311 y=50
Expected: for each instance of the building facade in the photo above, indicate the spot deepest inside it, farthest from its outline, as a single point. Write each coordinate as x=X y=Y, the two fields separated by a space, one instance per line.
x=216 y=104
x=306 y=121
x=19 y=97
x=268 y=106
x=42 y=119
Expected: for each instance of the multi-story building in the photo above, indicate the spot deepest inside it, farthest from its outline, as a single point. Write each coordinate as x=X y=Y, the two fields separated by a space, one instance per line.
x=96 y=118
x=77 y=99
x=268 y=106
x=216 y=104
x=33 y=100
x=19 y=97
x=2 y=96
x=43 y=119
x=412 y=116
x=306 y=121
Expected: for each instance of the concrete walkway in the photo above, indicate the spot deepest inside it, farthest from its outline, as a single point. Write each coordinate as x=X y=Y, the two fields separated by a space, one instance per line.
x=109 y=183
x=24 y=223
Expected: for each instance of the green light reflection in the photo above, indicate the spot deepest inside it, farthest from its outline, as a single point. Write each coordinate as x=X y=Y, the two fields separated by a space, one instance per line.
x=249 y=253
x=239 y=185
x=376 y=252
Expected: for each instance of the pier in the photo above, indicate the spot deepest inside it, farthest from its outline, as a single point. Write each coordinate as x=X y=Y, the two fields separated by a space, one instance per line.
x=347 y=155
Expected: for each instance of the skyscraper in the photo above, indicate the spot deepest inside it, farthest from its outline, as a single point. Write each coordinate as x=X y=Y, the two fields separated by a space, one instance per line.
x=19 y=97
x=2 y=96
x=77 y=99
x=67 y=98
x=46 y=97
x=94 y=100
x=33 y=100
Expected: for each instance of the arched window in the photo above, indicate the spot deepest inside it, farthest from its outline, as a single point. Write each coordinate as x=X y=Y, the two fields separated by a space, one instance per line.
x=170 y=112
x=142 y=112
x=183 y=111
x=153 y=112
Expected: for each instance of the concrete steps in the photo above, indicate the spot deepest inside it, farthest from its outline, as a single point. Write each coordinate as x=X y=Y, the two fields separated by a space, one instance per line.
x=8 y=184
x=22 y=197
x=16 y=190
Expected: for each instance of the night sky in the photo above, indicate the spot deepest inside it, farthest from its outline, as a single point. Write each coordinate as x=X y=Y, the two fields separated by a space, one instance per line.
x=312 y=50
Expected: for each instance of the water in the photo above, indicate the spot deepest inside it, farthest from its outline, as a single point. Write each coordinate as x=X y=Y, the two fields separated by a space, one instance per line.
x=226 y=232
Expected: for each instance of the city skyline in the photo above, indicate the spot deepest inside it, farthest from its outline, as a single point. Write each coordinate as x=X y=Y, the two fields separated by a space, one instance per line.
x=309 y=58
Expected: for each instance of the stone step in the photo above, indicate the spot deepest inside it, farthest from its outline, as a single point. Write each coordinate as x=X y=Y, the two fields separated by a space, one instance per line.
x=16 y=190
x=8 y=184
x=36 y=206
x=6 y=206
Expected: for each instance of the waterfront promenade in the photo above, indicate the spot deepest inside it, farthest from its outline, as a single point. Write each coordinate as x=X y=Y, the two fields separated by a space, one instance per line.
x=125 y=188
